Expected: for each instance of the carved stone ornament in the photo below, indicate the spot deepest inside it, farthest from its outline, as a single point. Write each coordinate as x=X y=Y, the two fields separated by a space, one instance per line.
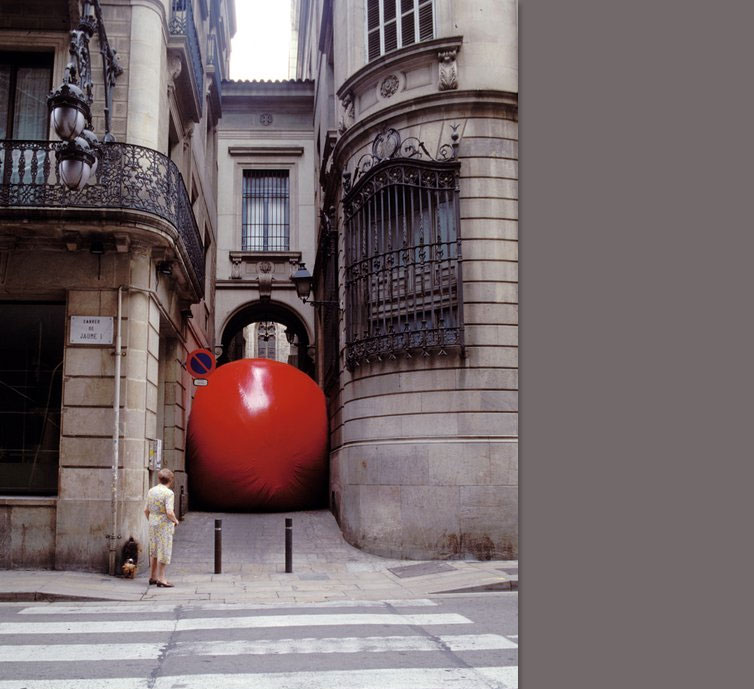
x=389 y=86
x=265 y=119
x=264 y=279
x=346 y=119
x=174 y=66
x=235 y=273
x=448 y=70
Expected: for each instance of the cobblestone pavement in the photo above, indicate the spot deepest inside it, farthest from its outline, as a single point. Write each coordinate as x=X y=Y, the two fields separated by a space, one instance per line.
x=325 y=567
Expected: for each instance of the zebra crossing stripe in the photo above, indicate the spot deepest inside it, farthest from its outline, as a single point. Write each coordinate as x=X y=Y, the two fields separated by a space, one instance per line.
x=79 y=652
x=261 y=621
x=498 y=677
x=371 y=644
x=503 y=677
x=146 y=651
x=154 y=609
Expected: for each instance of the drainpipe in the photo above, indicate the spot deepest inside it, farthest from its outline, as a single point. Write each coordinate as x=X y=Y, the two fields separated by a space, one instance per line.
x=116 y=432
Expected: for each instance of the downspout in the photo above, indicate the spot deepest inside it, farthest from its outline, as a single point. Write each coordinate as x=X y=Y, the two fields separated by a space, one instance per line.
x=116 y=432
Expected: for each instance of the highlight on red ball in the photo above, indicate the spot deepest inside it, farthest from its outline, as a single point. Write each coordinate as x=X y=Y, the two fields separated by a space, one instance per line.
x=257 y=440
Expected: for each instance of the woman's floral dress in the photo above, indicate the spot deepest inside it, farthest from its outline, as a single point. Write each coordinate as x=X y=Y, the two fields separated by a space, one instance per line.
x=159 y=501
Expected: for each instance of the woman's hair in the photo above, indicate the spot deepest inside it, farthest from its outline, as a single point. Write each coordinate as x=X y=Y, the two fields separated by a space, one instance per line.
x=164 y=476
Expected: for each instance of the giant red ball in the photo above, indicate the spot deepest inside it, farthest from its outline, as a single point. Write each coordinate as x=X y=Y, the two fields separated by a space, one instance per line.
x=257 y=439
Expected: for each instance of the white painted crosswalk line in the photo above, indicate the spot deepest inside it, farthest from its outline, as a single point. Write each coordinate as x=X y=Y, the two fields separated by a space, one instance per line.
x=260 y=621
x=415 y=678
x=157 y=608
x=108 y=683
x=370 y=644
x=141 y=651
x=28 y=653
x=503 y=677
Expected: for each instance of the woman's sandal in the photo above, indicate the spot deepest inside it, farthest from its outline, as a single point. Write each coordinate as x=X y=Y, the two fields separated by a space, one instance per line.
x=152 y=582
x=165 y=585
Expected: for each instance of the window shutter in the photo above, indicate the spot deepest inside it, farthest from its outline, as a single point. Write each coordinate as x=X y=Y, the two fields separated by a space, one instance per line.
x=408 y=32
x=426 y=25
x=373 y=14
x=391 y=36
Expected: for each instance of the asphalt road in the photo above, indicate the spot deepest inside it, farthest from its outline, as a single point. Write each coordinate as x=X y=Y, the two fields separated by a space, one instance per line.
x=453 y=642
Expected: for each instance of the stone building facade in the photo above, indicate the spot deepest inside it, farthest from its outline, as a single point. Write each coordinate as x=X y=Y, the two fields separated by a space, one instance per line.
x=129 y=259
x=416 y=128
x=387 y=164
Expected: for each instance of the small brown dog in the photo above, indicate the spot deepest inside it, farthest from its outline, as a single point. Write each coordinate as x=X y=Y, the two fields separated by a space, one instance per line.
x=129 y=569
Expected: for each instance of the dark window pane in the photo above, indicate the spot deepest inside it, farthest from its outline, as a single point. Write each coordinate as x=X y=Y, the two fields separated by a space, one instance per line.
x=4 y=98
x=391 y=36
x=31 y=358
x=426 y=30
x=30 y=111
x=373 y=14
x=374 y=44
x=388 y=11
x=265 y=215
x=407 y=5
x=407 y=27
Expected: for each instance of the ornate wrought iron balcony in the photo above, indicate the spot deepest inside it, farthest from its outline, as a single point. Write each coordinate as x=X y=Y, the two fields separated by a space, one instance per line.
x=127 y=177
x=182 y=27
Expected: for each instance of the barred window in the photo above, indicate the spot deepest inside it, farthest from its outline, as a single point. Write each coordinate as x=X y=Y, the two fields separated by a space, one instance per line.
x=403 y=283
x=265 y=224
x=395 y=24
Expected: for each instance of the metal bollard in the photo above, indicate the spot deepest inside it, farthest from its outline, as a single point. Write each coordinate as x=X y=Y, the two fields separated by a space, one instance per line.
x=218 y=546
x=288 y=545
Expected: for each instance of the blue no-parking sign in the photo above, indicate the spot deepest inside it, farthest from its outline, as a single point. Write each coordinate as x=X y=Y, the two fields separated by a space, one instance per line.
x=200 y=363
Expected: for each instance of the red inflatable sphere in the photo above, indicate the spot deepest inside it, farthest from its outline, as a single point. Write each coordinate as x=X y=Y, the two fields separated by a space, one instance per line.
x=257 y=440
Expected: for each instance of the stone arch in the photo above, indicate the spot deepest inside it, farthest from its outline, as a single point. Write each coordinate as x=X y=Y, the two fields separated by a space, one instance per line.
x=259 y=311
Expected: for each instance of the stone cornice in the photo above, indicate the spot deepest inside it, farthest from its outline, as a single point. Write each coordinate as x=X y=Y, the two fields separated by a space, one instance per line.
x=397 y=58
x=265 y=150
x=441 y=101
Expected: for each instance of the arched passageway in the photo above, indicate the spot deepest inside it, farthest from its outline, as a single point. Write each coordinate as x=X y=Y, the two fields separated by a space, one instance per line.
x=279 y=334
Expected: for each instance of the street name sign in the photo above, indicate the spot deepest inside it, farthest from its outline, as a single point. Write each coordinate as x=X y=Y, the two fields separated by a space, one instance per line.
x=95 y=330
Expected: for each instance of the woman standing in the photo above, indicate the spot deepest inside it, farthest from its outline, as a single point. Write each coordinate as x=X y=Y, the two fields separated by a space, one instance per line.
x=162 y=522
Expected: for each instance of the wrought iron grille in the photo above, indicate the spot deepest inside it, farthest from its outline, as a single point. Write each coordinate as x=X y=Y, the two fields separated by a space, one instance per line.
x=127 y=176
x=403 y=256
x=265 y=210
x=182 y=24
x=327 y=264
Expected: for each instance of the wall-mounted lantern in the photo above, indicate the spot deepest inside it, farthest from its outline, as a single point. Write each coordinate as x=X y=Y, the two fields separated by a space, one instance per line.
x=70 y=104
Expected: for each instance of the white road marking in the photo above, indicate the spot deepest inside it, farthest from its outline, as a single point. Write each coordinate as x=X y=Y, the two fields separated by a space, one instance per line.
x=109 y=683
x=154 y=609
x=371 y=644
x=390 y=678
x=505 y=677
x=140 y=651
x=79 y=652
x=104 y=627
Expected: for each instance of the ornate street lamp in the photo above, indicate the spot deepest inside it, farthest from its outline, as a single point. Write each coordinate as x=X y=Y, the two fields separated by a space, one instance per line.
x=302 y=278
x=70 y=104
x=69 y=111
x=77 y=160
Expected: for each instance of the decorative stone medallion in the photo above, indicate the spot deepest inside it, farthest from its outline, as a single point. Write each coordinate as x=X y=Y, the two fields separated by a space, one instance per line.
x=389 y=86
x=265 y=119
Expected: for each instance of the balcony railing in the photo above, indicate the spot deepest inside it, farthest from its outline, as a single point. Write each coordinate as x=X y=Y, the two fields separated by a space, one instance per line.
x=182 y=25
x=127 y=177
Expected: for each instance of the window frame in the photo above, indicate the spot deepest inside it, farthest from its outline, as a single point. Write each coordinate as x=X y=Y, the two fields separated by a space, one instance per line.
x=18 y=59
x=381 y=278
x=398 y=19
x=247 y=172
